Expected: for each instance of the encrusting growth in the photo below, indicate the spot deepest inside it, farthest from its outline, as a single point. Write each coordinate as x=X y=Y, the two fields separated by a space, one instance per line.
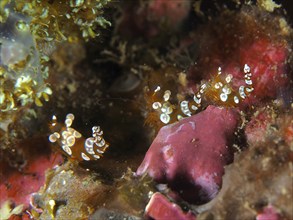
x=73 y=144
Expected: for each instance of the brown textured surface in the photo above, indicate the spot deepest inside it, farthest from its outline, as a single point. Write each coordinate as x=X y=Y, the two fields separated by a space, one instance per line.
x=259 y=176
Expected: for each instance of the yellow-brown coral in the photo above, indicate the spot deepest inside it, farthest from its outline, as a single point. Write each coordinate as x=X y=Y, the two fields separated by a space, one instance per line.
x=64 y=20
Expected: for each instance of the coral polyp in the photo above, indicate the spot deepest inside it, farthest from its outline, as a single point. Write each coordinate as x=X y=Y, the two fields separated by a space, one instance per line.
x=73 y=144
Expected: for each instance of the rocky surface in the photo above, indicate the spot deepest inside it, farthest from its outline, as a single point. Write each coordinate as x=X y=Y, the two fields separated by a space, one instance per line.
x=260 y=177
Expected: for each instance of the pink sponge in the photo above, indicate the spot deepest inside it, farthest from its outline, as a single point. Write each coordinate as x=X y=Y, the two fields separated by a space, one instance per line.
x=267 y=61
x=160 y=208
x=268 y=213
x=190 y=155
